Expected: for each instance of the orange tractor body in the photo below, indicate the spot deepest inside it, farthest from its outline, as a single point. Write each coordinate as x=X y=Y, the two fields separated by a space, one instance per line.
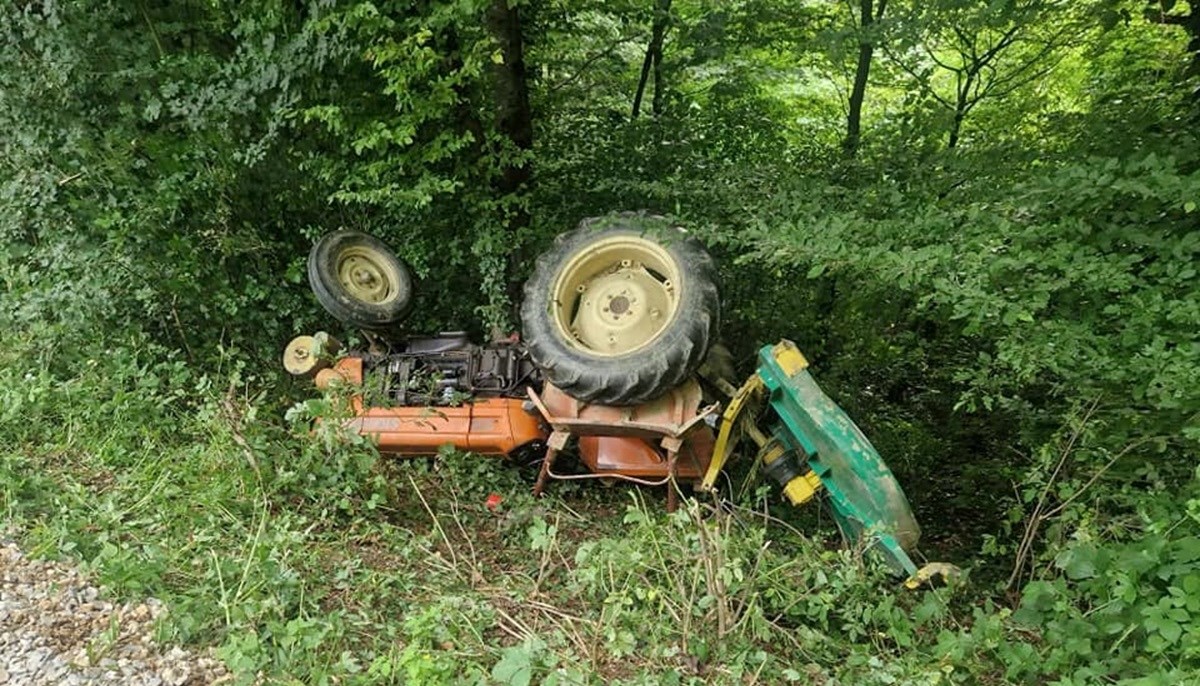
x=613 y=442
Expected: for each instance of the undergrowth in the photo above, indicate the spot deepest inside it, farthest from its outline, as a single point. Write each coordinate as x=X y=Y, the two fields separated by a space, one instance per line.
x=305 y=557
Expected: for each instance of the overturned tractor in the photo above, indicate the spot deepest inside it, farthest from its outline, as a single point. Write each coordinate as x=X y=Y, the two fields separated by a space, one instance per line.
x=618 y=358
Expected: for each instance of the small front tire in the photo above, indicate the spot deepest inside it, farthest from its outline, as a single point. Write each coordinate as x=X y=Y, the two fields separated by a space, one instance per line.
x=359 y=280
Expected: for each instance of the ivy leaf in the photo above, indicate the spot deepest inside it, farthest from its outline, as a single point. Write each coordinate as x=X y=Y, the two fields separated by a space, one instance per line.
x=515 y=666
x=1169 y=630
x=1078 y=563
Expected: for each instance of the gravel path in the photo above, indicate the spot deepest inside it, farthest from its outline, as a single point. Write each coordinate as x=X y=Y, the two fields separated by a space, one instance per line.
x=56 y=629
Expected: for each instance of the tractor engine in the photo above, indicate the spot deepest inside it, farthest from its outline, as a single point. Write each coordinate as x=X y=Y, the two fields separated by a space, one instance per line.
x=447 y=370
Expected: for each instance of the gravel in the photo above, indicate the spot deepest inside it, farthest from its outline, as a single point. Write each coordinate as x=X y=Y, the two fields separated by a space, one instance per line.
x=56 y=628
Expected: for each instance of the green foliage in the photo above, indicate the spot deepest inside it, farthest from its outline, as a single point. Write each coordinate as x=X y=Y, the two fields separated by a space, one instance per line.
x=1012 y=321
x=406 y=100
x=1117 y=611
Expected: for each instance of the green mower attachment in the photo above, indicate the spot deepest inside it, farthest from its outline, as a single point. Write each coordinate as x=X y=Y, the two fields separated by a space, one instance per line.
x=867 y=501
x=807 y=443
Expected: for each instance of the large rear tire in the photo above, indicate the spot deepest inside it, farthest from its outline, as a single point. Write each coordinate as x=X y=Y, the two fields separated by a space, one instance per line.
x=621 y=310
x=359 y=280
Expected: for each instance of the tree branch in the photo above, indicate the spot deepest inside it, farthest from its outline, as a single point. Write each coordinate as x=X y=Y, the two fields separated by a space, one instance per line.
x=938 y=62
x=1007 y=39
x=967 y=41
x=1036 y=518
x=853 y=19
x=587 y=64
x=919 y=79
x=1010 y=82
x=1099 y=473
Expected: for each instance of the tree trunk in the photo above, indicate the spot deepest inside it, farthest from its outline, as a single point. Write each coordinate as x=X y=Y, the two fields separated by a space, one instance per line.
x=641 y=87
x=466 y=116
x=656 y=103
x=658 y=32
x=514 y=120
x=514 y=117
x=866 y=48
x=1190 y=22
x=960 y=113
x=963 y=104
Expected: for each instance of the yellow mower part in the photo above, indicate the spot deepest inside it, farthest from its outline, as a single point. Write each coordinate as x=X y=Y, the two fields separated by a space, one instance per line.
x=789 y=358
x=725 y=438
x=933 y=574
x=801 y=489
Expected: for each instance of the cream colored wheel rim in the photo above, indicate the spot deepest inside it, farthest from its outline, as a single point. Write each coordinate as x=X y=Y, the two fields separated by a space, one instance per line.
x=367 y=275
x=617 y=296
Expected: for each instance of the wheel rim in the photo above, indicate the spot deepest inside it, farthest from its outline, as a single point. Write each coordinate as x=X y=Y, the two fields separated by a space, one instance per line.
x=617 y=296
x=367 y=274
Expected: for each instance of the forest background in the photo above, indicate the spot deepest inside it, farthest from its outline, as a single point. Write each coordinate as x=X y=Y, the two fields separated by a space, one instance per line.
x=978 y=219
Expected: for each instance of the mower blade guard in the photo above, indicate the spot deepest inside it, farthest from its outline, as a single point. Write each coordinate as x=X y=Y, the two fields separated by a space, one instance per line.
x=868 y=503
